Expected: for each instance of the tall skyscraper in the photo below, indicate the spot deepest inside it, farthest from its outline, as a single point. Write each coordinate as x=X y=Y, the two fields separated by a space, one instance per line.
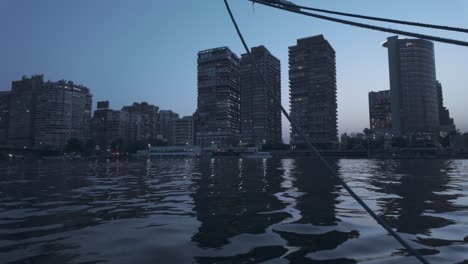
x=380 y=112
x=312 y=78
x=184 y=131
x=4 y=116
x=260 y=115
x=413 y=86
x=143 y=122
x=167 y=118
x=22 y=110
x=110 y=127
x=63 y=111
x=447 y=124
x=218 y=103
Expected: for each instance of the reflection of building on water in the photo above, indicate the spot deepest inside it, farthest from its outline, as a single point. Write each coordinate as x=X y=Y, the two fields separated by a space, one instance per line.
x=317 y=204
x=419 y=186
x=309 y=243
x=236 y=201
x=234 y=198
x=256 y=255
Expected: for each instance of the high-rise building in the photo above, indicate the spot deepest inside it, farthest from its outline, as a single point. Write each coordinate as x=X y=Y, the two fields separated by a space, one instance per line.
x=167 y=118
x=447 y=124
x=22 y=111
x=143 y=122
x=413 y=86
x=110 y=127
x=136 y=128
x=4 y=116
x=218 y=103
x=312 y=79
x=380 y=112
x=63 y=111
x=260 y=115
x=184 y=131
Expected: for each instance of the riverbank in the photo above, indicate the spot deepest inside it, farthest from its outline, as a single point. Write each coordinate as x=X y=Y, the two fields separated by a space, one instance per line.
x=282 y=154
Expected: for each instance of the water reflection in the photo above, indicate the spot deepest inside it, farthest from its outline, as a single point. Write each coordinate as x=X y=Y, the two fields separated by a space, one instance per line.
x=288 y=200
x=317 y=206
x=423 y=199
x=421 y=189
x=230 y=199
x=45 y=203
x=229 y=211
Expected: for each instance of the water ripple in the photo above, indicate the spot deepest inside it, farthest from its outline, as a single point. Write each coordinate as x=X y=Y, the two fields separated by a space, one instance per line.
x=230 y=211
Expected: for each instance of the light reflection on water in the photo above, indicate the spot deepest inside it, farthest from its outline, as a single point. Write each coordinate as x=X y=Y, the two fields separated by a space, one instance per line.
x=230 y=211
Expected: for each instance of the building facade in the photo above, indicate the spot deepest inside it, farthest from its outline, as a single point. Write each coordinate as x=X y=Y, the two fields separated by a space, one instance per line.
x=312 y=78
x=143 y=122
x=167 y=119
x=4 y=116
x=218 y=100
x=380 y=112
x=184 y=131
x=110 y=128
x=459 y=143
x=136 y=128
x=260 y=115
x=413 y=86
x=63 y=111
x=447 y=124
x=22 y=111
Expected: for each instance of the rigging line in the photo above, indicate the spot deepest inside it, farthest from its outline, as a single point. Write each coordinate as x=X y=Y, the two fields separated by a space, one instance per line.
x=367 y=26
x=312 y=149
x=395 y=21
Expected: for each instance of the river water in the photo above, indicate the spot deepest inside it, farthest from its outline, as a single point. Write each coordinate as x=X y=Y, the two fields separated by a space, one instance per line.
x=230 y=211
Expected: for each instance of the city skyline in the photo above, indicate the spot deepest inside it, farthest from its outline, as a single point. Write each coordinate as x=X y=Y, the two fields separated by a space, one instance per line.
x=218 y=65
x=133 y=64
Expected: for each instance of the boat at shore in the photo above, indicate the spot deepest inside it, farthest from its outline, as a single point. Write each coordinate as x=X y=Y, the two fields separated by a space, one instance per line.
x=256 y=155
x=175 y=151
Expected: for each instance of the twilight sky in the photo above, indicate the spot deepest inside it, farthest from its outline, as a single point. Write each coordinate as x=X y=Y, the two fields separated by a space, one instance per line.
x=146 y=50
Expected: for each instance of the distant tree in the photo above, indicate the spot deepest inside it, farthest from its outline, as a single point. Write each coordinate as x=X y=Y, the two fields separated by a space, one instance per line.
x=117 y=145
x=378 y=142
x=74 y=145
x=275 y=146
x=158 y=142
x=444 y=140
x=357 y=143
x=267 y=146
x=90 y=144
x=399 y=142
x=368 y=132
x=284 y=146
x=90 y=147
x=138 y=145
x=372 y=140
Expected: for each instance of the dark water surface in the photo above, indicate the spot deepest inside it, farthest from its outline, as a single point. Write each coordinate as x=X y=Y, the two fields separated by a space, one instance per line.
x=230 y=211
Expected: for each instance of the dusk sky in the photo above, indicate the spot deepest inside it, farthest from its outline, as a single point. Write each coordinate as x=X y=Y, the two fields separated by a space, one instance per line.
x=146 y=50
